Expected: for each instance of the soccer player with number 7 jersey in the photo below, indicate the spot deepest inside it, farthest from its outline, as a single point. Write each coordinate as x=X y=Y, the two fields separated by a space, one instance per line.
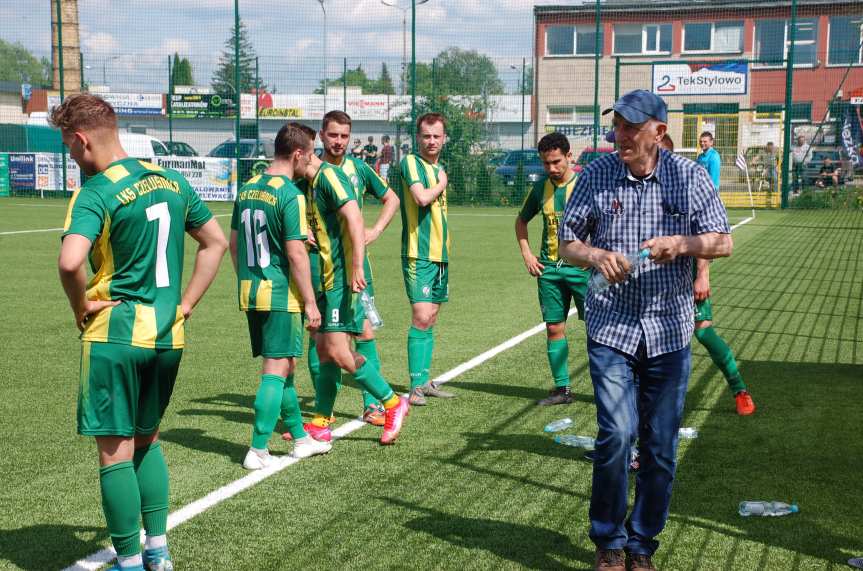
x=129 y=218
x=268 y=235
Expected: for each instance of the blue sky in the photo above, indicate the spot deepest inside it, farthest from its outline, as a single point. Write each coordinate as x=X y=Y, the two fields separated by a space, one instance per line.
x=131 y=40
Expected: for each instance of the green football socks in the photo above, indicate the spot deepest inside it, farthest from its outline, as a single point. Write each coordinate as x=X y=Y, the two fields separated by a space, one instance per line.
x=558 y=360
x=429 y=352
x=327 y=388
x=368 y=348
x=121 y=502
x=417 y=355
x=268 y=403
x=314 y=362
x=152 y=474
x=291 y=415
x=369 y=378
x=722 y=356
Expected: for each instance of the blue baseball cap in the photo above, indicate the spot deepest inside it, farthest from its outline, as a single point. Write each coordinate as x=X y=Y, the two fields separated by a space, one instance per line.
x=640 y=105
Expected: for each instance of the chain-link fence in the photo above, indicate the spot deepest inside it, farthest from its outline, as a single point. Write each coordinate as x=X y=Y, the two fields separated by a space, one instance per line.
x=204 y=86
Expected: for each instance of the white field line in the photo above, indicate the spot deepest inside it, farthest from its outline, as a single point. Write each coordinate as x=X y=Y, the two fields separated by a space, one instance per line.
x=100 y=558
x=60 y=229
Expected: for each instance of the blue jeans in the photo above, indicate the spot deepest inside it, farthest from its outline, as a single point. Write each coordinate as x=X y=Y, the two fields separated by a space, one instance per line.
x=636 y=397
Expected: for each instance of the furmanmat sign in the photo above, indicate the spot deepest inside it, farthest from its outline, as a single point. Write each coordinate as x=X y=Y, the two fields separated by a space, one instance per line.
x=212 y=178
x=701 y=79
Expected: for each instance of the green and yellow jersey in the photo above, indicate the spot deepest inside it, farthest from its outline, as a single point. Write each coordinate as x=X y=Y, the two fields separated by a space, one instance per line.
x=425 y=232
x=550 y=200
x=269 y=211
x=328 y=192
x=136 y=214
x=363 y=178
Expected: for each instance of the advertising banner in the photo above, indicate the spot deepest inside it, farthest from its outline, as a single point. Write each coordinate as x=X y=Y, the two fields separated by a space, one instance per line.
x=125 y=103
x=4 y=174
x=197 y=106
x=212 y=178
x=22 y=171
x=701 y=79
x=49 y=172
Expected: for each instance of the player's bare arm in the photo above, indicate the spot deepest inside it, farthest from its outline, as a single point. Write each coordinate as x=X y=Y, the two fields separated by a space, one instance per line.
x=232 y=248
x=532 y=264
x=302 y=276
x=211 y=247
x=701 y=287
x=390 y=206
x=350 y=213
x=73 y=276
x=425 y=196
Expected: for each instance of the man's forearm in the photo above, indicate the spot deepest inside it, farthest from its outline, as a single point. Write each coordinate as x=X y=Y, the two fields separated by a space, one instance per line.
x=75 y=286
x=301 y=273
x=207 y=263
x=578 y=253
x=521 y=236
x=702 y=268
x=391 y=205
x=708 y=246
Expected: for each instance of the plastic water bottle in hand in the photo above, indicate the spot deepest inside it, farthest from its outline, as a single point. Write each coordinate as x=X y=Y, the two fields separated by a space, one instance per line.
x=575 y=441
x=598 y=281
x=558 y=425
x=371 y=311
x=774 y=509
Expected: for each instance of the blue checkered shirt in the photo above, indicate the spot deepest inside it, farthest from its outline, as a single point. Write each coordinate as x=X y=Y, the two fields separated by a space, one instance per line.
x=613 y=210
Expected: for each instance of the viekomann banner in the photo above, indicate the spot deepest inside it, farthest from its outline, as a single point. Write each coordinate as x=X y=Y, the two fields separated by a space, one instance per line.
x=212 y=178
x=701 y=79
x=852 y=134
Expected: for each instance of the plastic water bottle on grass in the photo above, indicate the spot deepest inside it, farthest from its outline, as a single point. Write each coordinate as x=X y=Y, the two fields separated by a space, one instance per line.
x=598 y=281
x=558 y=425
x=687 y=432
x=576 y=441
x=773 y=509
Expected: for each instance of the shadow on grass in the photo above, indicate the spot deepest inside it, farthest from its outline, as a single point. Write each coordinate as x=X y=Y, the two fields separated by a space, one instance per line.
x=521 y=392
x=197 y=439
x=802 y=444
x=541 y=444
x=526 y=545
x=40 y=547
x=247 y=404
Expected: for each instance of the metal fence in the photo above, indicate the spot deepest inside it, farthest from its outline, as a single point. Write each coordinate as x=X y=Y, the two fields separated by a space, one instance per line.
x=204 y=86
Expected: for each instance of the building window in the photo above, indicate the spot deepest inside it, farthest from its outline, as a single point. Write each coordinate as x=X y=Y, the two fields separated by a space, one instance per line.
x=719 y=37
x=637 y=39
x=570 y=115
x=571 y=40
x=844 y=45
x=772 y=42
x=801 y=112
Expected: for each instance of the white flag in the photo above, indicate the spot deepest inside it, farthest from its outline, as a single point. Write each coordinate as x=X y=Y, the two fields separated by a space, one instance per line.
x=741 y=163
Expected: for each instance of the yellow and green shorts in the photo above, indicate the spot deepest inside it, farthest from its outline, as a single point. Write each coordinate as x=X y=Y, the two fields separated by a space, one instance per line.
x=426 y=281
x=557 y=287
x=276 y=334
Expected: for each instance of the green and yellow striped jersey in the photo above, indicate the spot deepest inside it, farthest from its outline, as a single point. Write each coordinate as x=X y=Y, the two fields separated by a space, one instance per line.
x=363 y=178
x=551 y=200
x=269 y=211
x=328 y=192
x=425 y=231
x=135 y=214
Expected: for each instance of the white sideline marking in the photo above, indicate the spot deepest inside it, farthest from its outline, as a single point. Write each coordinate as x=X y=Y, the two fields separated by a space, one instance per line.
x=742 y=222
x=30 y=231
x=184 y=514
x=60 y=229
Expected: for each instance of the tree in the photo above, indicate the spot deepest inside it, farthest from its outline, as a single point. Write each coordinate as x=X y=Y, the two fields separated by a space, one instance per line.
x=458 y=72
x=181 y=71
x=223 y=78
x=20 y=66
x=385 y=82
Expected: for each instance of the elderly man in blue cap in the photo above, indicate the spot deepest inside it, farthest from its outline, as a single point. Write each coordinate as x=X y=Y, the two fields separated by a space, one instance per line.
x=641 y=200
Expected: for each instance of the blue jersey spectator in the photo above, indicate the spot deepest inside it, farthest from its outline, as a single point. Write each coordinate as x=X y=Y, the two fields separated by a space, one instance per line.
x=709 y=158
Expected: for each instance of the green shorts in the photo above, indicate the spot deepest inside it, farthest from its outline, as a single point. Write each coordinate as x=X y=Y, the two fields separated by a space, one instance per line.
x=315 y=266
x=556 y=287
x=703 y=310
x=426 y=281
x=124 y=390
x=367 y=270
x=341 y=311
x=276 y=334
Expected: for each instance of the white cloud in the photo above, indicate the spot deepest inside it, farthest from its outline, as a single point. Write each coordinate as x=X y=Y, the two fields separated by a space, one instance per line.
x=99 y=43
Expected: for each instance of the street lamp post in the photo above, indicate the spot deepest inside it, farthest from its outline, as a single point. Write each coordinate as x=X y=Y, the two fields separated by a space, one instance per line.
x=326 y=79
x=523 y=92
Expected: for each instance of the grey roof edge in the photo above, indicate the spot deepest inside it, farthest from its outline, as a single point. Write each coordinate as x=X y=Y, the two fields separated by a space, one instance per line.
x=659 y=6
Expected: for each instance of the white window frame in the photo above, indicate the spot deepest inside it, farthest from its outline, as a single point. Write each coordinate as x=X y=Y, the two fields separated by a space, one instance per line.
x=830 y=31
x=644 y=51
x=757 y=65
x=574 y=53
x=712 y=50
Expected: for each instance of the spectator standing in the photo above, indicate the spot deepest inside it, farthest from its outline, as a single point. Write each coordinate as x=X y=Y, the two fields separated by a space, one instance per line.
x=370 y=152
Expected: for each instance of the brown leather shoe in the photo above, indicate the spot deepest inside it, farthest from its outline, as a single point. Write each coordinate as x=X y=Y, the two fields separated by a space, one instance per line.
x=609 y=560
x=638 y=562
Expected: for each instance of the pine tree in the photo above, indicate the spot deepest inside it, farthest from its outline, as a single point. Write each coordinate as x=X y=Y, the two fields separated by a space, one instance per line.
x=223 y=78
x=181 y=71
x=385 y=82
